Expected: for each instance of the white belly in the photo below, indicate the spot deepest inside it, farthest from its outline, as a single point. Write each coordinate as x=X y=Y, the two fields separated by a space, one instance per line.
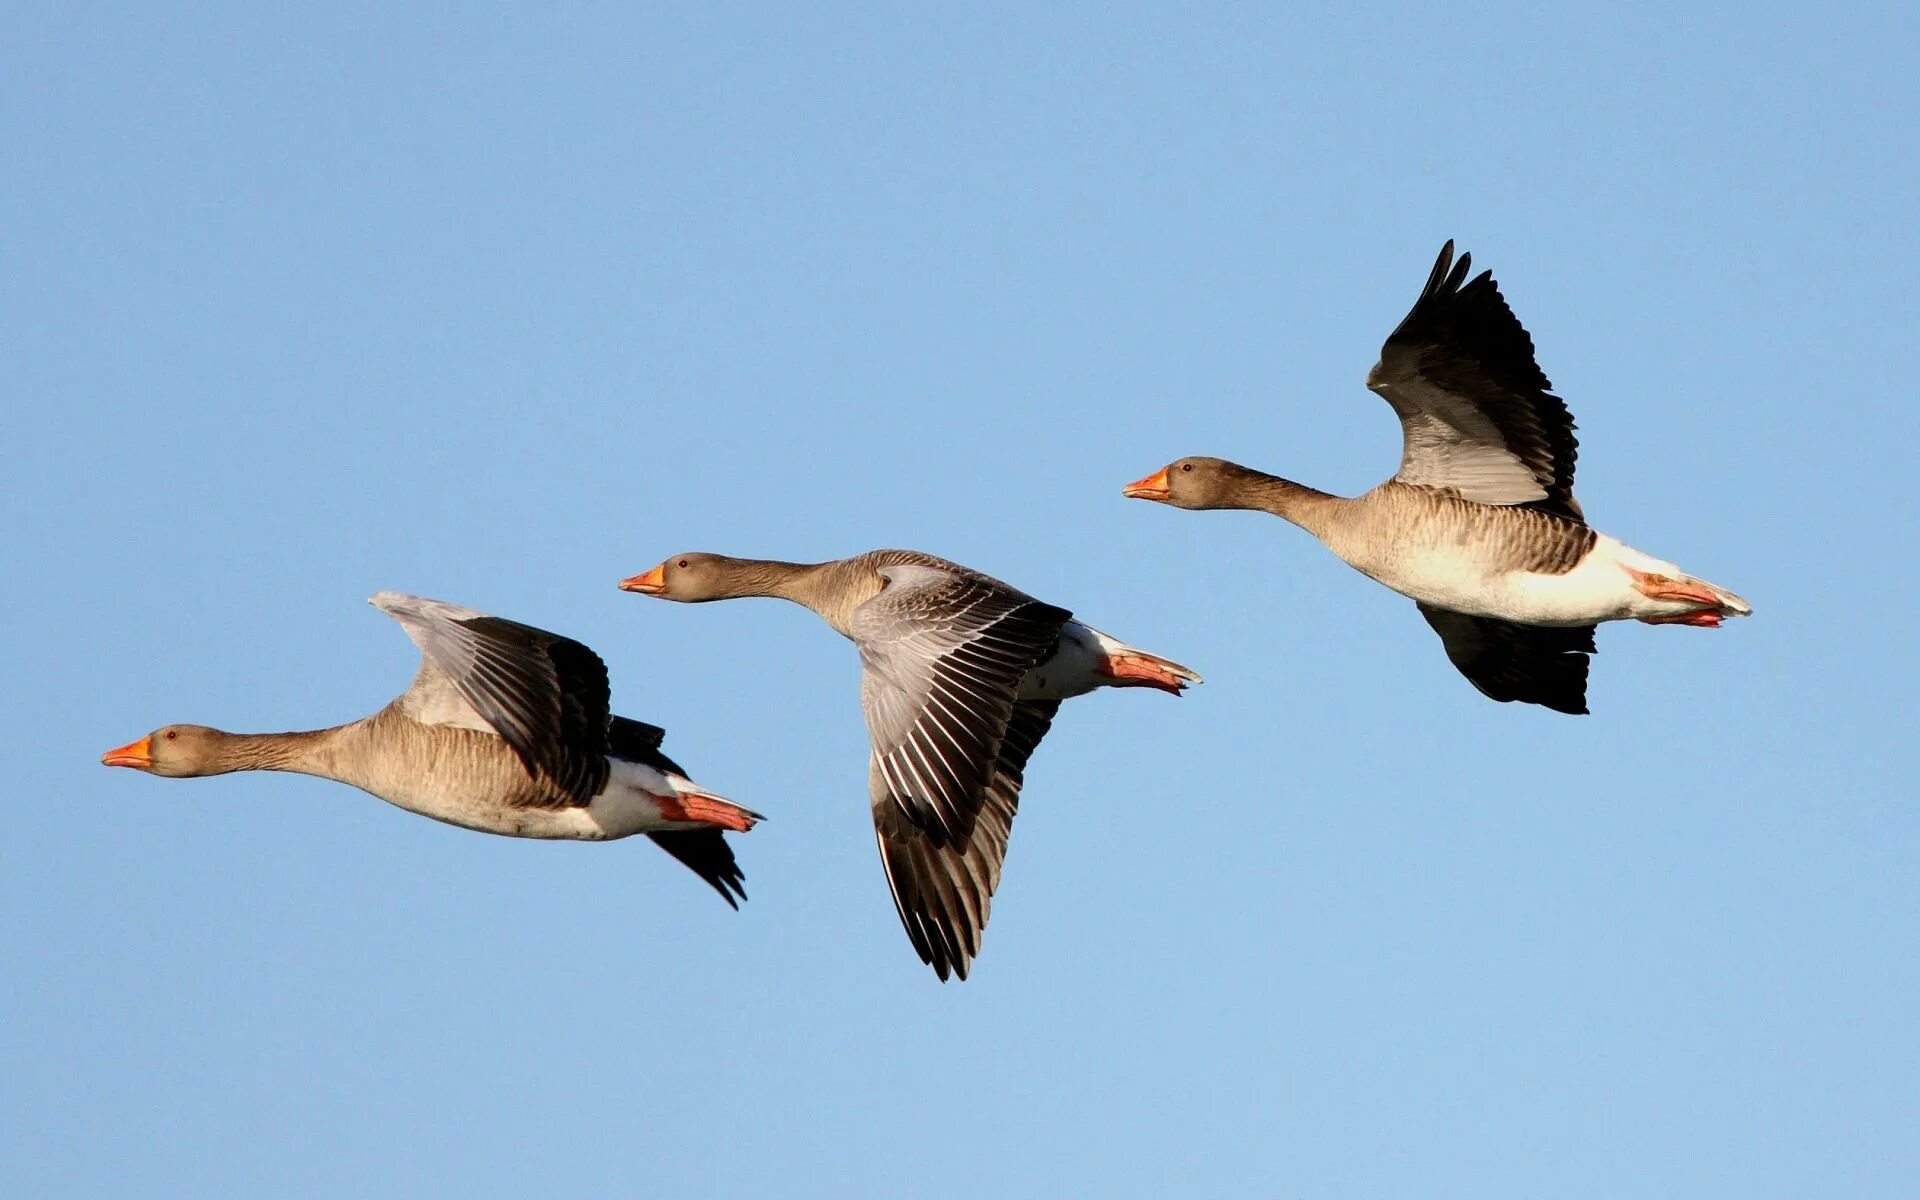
x=1444 y=576
x=623 y=808
x=1598 y=589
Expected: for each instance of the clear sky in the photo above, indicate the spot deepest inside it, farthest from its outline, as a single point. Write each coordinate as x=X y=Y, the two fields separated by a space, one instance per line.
x=499 y=307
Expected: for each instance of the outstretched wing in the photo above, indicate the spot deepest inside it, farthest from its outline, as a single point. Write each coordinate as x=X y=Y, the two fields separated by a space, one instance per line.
x=944 y=652
x=943 y=891
x=1478 y=415
x=545 y=695
x=1536 y=664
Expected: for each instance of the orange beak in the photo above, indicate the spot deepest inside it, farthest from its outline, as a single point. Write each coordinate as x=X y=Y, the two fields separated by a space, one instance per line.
x=133 y=754
x=1153 y=487
x=653 y=583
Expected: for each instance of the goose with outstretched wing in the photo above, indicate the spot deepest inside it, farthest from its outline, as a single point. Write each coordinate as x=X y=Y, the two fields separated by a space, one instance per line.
x=1479 y=526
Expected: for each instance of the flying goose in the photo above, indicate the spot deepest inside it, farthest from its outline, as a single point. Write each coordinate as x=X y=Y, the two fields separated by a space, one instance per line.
x=961 y=678
x=504 y=730
x=1479 y=526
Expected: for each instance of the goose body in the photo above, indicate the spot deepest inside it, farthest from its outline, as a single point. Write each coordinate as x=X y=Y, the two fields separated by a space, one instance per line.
x=962 y=676
x=1479 y=526
x=505 y=730
x=1510 y=564
x=472 y=779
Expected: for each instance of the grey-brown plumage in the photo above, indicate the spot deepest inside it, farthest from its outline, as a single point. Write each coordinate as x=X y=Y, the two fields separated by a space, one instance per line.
x=1384 y=525
x=546 y=696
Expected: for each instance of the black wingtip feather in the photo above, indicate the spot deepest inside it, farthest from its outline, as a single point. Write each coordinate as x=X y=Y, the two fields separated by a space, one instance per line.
x=709 y=855
x=1458 y=275
x=1438 y=275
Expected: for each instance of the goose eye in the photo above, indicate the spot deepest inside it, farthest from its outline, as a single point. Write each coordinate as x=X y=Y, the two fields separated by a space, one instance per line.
x=1186 y=466
x=172 y=734
x=682 y=563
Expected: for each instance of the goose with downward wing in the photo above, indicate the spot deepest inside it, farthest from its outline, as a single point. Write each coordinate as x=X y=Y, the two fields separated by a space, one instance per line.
x=505 y=730
x=961 y=677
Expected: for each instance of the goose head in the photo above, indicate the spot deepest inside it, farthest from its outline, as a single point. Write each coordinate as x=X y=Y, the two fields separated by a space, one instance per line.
x=1197 y=482
x=175 y=751
x=692 y=578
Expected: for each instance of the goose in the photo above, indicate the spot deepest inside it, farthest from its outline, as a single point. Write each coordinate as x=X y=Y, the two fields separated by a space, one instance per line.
x=504 y=730
x=1479 y=525
x=961 y=678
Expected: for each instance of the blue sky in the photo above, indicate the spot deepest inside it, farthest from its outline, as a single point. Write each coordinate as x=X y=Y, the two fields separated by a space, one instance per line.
x=499 y=307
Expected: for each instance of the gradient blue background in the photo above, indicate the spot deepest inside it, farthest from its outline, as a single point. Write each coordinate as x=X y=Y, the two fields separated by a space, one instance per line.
x=500 y=307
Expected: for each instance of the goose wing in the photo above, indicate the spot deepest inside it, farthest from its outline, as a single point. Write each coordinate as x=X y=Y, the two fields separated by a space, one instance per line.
x=1479 y=417
x=944 y=650
x=708 y=854
x=545 y=695
x=1536 y=664
x=943 y=889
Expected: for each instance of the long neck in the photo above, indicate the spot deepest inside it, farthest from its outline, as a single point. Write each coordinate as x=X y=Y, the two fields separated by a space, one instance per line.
x=309 y=752
x=1310 y=508
x=768 y=577
x=831 y=589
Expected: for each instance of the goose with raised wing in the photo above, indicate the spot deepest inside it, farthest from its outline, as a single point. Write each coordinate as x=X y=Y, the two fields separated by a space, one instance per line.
x=1479 y=526
x=962 y=675
x=505 y=730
